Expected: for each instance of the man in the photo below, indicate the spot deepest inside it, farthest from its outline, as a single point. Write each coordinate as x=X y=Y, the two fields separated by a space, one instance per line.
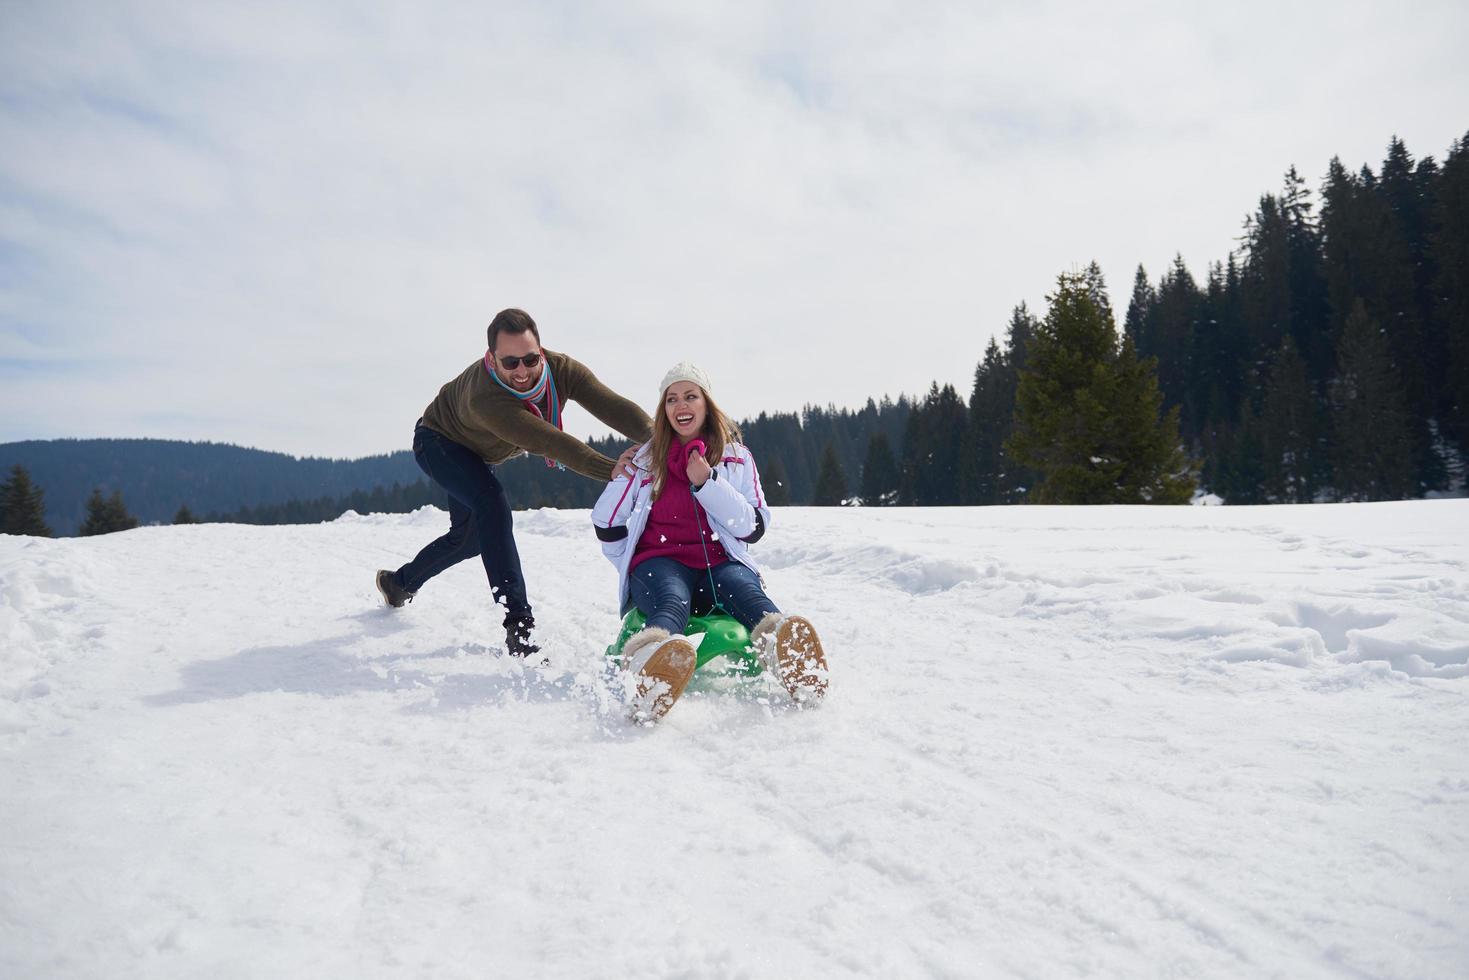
x=505 y=404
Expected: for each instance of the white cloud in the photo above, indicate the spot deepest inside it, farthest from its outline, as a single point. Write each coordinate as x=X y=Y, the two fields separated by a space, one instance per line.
x=287 y=226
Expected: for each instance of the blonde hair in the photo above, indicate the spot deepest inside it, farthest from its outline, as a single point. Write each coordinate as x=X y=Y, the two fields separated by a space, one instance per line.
x=718 y=432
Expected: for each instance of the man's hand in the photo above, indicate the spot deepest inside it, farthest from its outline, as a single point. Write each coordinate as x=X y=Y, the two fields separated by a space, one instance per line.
x=623 y=466
x=699 y=470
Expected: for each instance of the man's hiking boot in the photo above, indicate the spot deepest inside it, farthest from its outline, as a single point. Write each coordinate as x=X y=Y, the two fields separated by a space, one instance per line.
x=393 y=593
x=518 y=636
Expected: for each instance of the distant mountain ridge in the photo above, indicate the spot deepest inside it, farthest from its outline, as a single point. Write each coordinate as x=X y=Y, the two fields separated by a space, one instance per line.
x=157 y=476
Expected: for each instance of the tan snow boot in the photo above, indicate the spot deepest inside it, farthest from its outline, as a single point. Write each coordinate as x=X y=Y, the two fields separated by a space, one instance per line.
x=662 y=665
x=791 y=649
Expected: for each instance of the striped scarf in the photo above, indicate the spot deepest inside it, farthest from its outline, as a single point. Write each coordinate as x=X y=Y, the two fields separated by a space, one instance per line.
x=546 y=386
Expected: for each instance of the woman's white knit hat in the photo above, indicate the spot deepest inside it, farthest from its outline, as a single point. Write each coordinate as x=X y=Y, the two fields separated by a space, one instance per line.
x=684 y=371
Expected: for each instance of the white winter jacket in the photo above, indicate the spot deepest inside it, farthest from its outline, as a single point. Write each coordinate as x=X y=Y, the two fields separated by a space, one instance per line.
x=732 y=499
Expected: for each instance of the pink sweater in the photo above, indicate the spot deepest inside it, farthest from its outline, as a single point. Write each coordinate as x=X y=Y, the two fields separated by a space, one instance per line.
x=677 y=522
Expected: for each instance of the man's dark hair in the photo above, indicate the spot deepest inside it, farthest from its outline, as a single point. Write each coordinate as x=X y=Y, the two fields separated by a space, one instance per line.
x=511 y=321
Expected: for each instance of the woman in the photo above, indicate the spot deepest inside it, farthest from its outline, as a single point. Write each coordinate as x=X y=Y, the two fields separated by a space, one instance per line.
x=679 y=532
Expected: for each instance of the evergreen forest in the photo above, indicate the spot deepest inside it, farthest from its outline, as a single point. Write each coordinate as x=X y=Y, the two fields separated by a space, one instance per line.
x=1326 y=358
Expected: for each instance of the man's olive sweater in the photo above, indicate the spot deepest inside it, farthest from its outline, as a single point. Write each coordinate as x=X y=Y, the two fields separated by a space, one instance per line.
x=474 y=411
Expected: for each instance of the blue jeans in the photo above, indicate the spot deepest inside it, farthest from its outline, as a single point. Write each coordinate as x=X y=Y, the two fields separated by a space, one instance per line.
x=667 y=592
x=479 y=522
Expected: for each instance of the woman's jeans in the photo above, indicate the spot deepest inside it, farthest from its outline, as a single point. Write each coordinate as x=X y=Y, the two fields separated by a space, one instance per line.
x=667 y=592
x=479 y=522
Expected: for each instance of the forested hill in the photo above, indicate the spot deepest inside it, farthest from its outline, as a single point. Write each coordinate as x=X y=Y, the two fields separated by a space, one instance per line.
x=157 y=476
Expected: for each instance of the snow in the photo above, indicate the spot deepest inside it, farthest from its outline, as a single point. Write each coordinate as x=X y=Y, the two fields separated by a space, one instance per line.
x=1192 y=741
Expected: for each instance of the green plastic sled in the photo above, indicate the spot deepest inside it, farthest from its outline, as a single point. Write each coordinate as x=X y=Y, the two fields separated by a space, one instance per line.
x=723 y=637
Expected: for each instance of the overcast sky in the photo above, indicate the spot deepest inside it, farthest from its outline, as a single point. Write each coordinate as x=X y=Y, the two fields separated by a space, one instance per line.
x=286 y=225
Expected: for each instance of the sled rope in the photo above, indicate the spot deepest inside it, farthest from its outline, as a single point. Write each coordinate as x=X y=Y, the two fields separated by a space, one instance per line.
x=708 y=565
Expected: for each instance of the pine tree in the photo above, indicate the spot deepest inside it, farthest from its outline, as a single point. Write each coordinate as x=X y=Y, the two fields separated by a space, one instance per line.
x=1217 y=358
x=1086 y=413
x=1289 y=430
x=1408 y=191
x=117 y=510
x=186 y=516
x=945 y=485
x=1343 y=245
x=106 y=514
x=988 y=474
x=1175 y=317
x=915 y=449
x=1369 y=257
x=1138 y=324
x=22 y=505
x=96 y=522
x=773 y=481
x=1154 y=468
x=1021 y=329
x=1371 y=450
x=933 y=449
x=831 y=486
x=1283 y=286
x=780 y=445
x=1310 y=320
x=879 y=473
x=1061 y=405
x=1241 y=468
x=1451 y=288
x=1016 y=479
x=991 y=408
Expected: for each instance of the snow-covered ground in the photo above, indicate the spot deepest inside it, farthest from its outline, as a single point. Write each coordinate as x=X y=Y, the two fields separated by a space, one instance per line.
x=1060 y=742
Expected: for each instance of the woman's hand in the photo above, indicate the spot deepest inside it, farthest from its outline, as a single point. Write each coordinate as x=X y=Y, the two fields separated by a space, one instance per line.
x=699 y=470
x=623 y=466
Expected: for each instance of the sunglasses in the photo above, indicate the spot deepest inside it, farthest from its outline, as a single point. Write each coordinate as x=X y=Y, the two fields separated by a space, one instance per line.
x=510 y=362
